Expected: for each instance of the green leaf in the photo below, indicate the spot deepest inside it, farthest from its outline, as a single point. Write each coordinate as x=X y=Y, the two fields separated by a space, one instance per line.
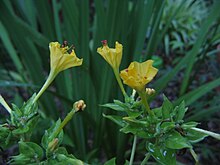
x=203 y=114
x=135 y=122
x=180 y=111
x=162 y=154
x=176 y=141
x=15 y=113
x=133 y=114
x=195 y=136
x=61 y=150
x=198 y=92
x=167 y=108
x=166 y=126
x=110 y=162
x=30 y=153
x=5 y=135
x=30 y=149
x=49 y=135
x=121 y=104
x=158 y=112
x=31 y=124
x=11 y=50
x=137 y=130
x=158 y=61
x=30 y=108
x=21 y=130
x=189 y=125
x=113 y=106
x=66 y=159
x=20 y=116
x=116 y=119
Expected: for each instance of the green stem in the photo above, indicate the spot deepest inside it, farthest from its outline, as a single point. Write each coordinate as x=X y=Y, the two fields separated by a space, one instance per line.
x=64 y=122
x=4 y=104
x=49 y=80
x=212 y=134
x=116 y=72
x=147 y=156
x=194 y=156
x=133 y=150
x=143 y=96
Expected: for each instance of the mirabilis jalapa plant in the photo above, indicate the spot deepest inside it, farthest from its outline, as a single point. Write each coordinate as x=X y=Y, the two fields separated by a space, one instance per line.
x=162 y=128
x=23 y=120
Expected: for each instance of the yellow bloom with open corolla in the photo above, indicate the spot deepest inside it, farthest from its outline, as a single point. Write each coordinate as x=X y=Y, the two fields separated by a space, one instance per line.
x=137 y=75
x=112 y=55
x=62 y=57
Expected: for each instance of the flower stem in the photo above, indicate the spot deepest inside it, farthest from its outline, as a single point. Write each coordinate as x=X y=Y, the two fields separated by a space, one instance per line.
x=147 y=156
x=64 y=122
x=194 y=156
x=133 y=150
x=143 y=96
x=49 y=80
x=212 y=134
x=116 y=72
x=4 y=104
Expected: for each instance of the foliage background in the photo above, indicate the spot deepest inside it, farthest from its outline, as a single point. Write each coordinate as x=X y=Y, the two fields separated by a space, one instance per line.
x=181 y=36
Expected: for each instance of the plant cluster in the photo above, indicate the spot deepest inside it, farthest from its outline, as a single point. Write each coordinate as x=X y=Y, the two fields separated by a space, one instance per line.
x=186 y=16
x=163 y=128
x=23 y=121
x=187 y=30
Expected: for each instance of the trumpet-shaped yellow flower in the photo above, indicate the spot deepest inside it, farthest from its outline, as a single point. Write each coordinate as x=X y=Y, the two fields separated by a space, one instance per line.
x=137 y=75
x=61 y=59
x=112 y=55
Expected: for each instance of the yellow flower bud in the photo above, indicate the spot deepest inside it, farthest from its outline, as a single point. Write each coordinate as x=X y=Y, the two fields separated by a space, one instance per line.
x=62 y=58
x=112 y=55
x=150 y=91
x=79 y=105
x=53 y=144
x=137 y=75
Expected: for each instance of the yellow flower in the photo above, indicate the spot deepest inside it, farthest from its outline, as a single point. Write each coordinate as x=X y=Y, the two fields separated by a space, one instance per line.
x=112 y=55
x=61 y=59
x=137 y=75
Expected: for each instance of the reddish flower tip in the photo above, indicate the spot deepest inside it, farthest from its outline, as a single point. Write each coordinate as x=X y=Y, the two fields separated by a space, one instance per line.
x=104 y=42
x=65 y=43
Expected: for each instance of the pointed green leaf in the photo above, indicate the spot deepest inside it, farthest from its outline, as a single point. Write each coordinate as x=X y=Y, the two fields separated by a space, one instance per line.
x=30 y=149
x=181 y=110
x=137 y=130
x=116 y=119
x=189 y=125
x=162 y=154
x=113 y=106
x=176 y=141
x=49 y=135
x=195 y=136
x=167 y=108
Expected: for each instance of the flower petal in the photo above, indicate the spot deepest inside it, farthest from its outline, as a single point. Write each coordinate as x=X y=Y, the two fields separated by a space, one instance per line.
x=112 y=55
x=61 y=59
x=137 y=75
